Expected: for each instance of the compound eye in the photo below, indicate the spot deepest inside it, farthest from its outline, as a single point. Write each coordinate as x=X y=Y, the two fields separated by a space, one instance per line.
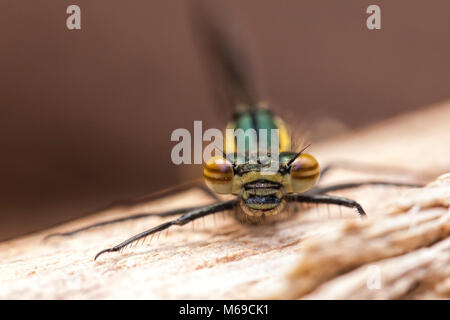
x=218 y=174
x=304 y=173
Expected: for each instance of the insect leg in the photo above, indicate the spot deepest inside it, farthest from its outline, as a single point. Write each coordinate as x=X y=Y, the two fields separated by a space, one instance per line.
x=328 y=199
x=187 y=217
x=122 y=219
x=350 y=185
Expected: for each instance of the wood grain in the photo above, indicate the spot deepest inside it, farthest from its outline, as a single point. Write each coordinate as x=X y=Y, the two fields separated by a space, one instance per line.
x=321 y=252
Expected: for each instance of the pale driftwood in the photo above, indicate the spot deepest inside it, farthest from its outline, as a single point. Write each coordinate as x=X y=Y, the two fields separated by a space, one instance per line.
x=389 y=248
x=401 y=251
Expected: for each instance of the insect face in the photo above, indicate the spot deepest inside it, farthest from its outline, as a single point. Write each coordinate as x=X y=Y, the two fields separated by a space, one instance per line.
x=262 y=191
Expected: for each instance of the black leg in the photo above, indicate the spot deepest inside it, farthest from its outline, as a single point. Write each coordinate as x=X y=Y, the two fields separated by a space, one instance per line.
x=350 y=185
x=127 y=218
x=327 y=199
x=188 y=217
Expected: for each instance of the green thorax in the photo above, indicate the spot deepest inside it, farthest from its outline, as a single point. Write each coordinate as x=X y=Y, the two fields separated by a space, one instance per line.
x=255 y=119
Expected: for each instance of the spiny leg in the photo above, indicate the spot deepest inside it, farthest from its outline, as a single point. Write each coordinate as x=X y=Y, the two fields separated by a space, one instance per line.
x=350 y=185
x=327 y=199
x=188 y=217
x=127 y=203
x=122 y=219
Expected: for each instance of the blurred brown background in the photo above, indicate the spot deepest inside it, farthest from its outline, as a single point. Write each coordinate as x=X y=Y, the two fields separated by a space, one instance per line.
x=86 y=115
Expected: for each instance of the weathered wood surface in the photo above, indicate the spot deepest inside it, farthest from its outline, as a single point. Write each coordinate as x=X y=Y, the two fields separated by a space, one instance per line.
x=401 y=251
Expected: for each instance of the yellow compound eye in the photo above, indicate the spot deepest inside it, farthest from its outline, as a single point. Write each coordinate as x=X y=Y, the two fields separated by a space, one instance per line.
x=304 y=173
x=218 y=174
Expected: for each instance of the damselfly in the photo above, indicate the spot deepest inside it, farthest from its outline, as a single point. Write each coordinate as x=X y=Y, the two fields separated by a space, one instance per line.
x=258 y=195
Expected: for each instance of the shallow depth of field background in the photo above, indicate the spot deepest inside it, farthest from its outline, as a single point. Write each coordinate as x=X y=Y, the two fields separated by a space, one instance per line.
x=86 y=116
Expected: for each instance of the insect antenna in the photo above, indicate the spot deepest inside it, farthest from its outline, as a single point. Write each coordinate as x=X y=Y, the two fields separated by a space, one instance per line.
x=226 y=156
x=296 y=156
